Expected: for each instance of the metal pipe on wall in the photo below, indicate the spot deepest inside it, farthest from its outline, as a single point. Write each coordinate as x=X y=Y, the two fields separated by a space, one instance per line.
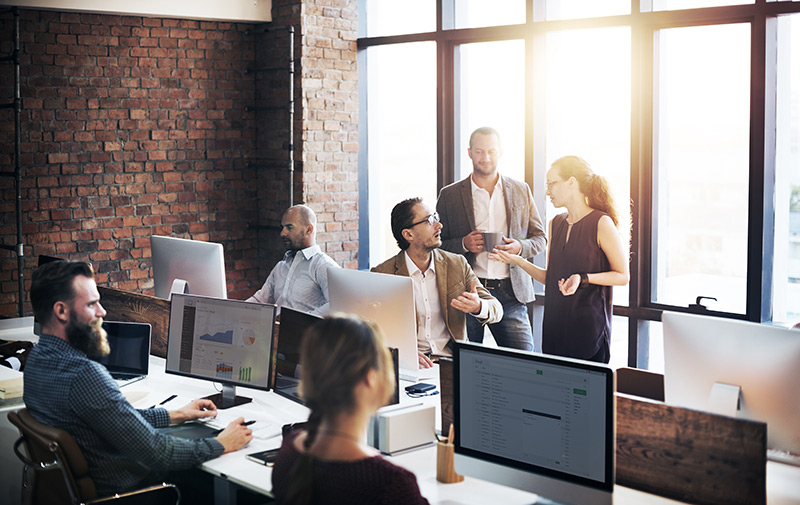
x=16 y=104
x=290 y=104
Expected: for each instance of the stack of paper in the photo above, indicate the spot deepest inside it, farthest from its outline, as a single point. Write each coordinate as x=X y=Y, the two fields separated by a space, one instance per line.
x=10 y=383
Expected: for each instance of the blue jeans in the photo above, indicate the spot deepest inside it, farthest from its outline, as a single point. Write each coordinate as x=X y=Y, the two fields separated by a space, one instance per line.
x=514 y=330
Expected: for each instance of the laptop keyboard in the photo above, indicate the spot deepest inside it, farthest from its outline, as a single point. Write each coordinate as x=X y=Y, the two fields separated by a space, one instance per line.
x=123 y=379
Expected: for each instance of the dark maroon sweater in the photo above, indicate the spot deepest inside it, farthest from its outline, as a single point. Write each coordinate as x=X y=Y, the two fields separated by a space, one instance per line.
x=368 y=481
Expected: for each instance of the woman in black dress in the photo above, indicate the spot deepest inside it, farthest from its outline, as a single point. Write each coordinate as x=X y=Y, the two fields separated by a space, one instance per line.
x=585 y=258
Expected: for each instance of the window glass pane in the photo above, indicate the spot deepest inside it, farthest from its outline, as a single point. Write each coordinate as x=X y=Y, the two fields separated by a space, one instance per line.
x=619 y=342
x=401 y=135
x=700 y=158
x=588 y=92
x=656 y=333
x=577 y=9
x=476 y=13
x=490 y=91
x=386 y=18
x=668 y=5
x=786 y=267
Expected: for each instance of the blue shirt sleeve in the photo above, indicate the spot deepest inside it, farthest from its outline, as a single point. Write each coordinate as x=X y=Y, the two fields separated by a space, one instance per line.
x=97 y=400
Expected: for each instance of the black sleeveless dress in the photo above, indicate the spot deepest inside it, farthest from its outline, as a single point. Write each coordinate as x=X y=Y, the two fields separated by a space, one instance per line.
x=576 y=326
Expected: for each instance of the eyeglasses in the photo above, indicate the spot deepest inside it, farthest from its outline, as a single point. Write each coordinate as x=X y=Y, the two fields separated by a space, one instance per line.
x=550 y=184
x=433 y=218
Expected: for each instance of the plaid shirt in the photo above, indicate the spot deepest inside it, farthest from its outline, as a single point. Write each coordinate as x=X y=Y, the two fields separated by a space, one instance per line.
x=65 y=389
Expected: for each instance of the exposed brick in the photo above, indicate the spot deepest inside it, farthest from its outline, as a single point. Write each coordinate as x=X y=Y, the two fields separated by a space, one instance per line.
x=137 y=126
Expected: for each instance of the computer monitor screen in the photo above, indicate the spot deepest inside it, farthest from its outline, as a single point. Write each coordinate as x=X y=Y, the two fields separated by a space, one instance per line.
x=225 y=341
x=130 y=347
x=291 y=329
x=188 y=266
x=387 y=300
x=729 y=367
x=540 y=423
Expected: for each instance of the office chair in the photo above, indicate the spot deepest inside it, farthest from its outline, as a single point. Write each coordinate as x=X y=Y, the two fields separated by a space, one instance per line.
x=56 y=472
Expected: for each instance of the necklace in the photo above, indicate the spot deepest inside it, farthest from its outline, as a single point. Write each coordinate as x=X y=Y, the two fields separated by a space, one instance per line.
x=341 y=434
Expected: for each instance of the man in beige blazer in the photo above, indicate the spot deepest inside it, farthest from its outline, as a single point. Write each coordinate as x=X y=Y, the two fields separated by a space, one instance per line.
x=445 y=288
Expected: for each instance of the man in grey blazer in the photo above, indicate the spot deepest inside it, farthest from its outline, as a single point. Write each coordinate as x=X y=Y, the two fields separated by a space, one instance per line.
x=489 y=202
x=445 y=288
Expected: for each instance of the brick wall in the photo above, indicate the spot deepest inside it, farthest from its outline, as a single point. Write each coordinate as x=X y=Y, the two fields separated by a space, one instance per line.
x=330 y=123
x=326 y=123
x=138 y=126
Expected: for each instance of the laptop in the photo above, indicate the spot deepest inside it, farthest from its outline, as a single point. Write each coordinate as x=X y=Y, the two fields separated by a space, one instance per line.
x=129 y=358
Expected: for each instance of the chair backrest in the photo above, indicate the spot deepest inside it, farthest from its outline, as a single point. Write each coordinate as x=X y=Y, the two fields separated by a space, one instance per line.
x=62 y=473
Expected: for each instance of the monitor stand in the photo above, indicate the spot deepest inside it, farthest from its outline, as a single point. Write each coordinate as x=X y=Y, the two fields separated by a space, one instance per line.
x=179 y=286
x=724 y=399
x=227 y=398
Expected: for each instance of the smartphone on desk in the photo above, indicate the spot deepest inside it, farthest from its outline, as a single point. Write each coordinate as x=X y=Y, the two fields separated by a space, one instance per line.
x=266 y=458
x=419 y=388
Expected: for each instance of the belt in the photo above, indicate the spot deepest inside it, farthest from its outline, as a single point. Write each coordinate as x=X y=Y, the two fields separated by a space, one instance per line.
x=493 y=283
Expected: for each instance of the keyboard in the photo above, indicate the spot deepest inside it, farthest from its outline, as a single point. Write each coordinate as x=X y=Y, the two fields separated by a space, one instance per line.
x=416 y=375
x=263 y=427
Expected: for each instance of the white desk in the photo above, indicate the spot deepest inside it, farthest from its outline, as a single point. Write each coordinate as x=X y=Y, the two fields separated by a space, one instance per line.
x=232 y=470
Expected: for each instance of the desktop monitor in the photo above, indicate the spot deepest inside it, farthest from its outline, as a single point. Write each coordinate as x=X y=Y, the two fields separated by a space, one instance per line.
x=735 y=367
x=540 y=423
x=291 y=329
x=225 y=341
x=187 y=266
x=387 y=300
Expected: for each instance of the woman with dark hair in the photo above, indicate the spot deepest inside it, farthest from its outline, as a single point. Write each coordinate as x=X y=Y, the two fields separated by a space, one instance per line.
x=347 y=375
x=585 y=258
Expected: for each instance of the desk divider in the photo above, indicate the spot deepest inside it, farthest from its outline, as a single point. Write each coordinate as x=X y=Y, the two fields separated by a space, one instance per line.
x=131 y=307
x=689 y=455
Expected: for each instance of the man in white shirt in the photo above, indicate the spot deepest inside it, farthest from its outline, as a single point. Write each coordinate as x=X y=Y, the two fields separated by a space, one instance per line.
x=300 y=280
x=489 y=202
x=445 y=288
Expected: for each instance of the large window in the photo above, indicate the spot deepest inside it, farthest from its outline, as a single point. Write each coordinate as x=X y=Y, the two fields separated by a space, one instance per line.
x=690 y=108
x=786 y=273
x=401 y=112
x=491 y=85
x=380 y=18
x=701 y=165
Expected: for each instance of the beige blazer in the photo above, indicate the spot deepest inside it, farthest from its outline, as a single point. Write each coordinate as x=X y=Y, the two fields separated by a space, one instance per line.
x=453 y=277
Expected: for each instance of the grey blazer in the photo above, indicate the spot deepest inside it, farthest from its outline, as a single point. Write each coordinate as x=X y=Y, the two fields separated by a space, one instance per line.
x=524 y=224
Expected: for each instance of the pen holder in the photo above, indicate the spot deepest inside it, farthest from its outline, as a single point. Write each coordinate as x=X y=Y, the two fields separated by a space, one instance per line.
x=445 y=471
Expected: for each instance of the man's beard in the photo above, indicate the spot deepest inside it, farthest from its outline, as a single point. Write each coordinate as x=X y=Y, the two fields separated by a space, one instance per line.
x=88 y=337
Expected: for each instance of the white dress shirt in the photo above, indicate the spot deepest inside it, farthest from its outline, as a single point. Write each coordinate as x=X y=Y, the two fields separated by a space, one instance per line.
x=299 y=281
x=490 y=215
x=432 y=332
